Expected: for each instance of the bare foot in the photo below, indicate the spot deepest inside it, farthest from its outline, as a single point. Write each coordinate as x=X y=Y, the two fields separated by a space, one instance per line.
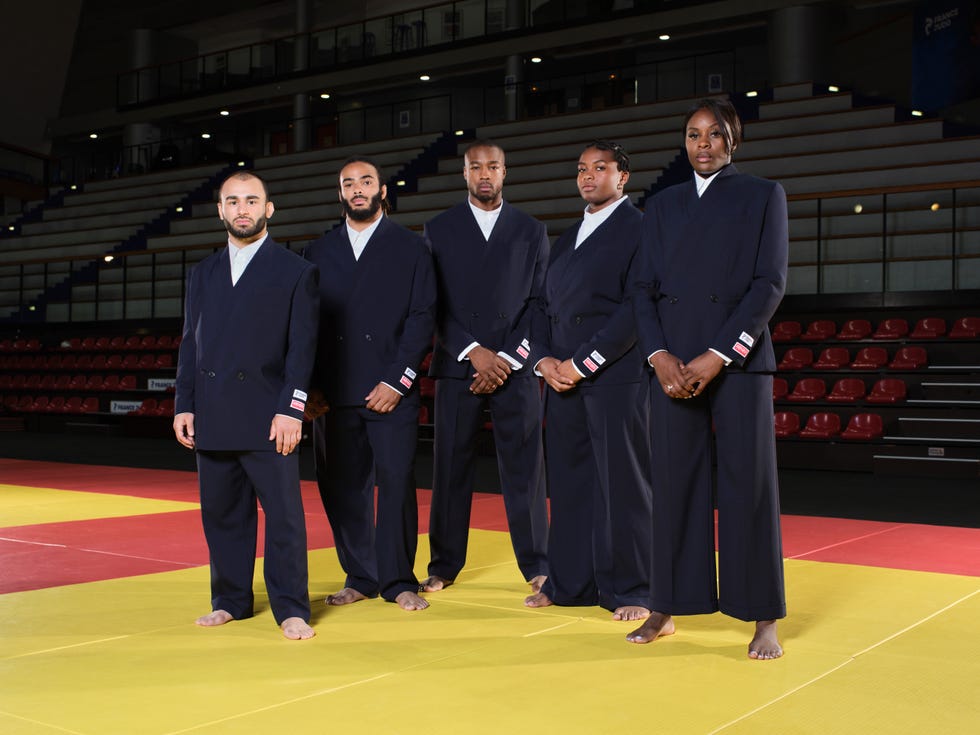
x=656 y=625
x=630 y=612
x=434 y=583
x=537 y=583
x=408 y=600
x=218 y=617
x=765 y=644
x=539 y=599
x=297 y=629
x=345 y=597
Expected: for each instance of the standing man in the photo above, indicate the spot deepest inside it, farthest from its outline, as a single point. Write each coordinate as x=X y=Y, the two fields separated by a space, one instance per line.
x=490 y=262
x=250 y=325
x=377 y=304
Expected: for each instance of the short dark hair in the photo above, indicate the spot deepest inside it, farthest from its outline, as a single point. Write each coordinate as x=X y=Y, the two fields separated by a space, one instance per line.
x=483 y=143
x=726 y=115
x=243 y=174
x=385 y=204
x=620 y=155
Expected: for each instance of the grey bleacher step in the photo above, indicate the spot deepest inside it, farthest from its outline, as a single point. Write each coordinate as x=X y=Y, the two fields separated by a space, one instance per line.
x=331 y=167
x=122 y=184
x=896 y=223
x=166 y=189
x=860 y=117
x=334 y=153
x=63 y=251
x=936 y=467
x=806 y=106
x=794 y=91
x=808 y=183
x=942 y=428
x=889 y=135
x=36 y=242
x=130 y=217
x=951 y=390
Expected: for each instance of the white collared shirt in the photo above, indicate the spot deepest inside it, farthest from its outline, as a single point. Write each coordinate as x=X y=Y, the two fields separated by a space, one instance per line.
x=359 y=240
x=240 y=257
x=703 y=183
x=484 y=219
x=592 y=220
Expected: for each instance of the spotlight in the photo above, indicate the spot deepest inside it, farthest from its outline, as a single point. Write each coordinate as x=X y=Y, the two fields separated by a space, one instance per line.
x=178 y=210
x=206 y=136
x=535 y=59
x=224 y=113
x=916 y=113
x=858 y=209
x=459 y=133
x=400 y=182
x=108 y=258
x=93 y=136
x=753 y=93
x=833 y=88
x=424 y=77
x=664 y=36
x=324 y=95
x=934 y=207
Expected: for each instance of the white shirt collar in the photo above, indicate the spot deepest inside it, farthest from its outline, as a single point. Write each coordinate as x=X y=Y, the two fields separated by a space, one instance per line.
x=359 y=240
x=485 y=219
x=703 y=183
x=592 y=220
x=240 y=257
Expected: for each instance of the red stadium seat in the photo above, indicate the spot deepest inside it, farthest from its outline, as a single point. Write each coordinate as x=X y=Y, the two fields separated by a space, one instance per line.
x=807 y=390
x=57 y=404
x=69 y=362
x=95 y=382
x=24 y=403
x=847 y=390
x=870 y=358
x=117 y=343
x=90 y=405
x=832 y=358
x=929 y=328
x=864 y=426
x=83 y=362
x=909 y=358
x=424 y=415
x=6 y=382
x=62 y=382
x=887 y=390
x=427 y=387
x=165 y=360
x=17 y=382
x=796 y=358
x=818 y=331
x=164 y=342
x=73 y=405
x=855 y=329
x=33 y=345
x=33 y=381
x=128 y=382
x=823 y=425
x=114 y=362
x=966 y=328
x=78 y=382
x=6 y=345
x=130 y=362
x=166 y=407
x=147 y=408
x=101 y=343
x=891 y=329
x=779 y=389
x=99 y=362
x=73 y=343
x=786 y=331
x=149 y=342
x=426 y=361
x=135 y=342
x=48 y=382
x=40 y=404
x=87 y=344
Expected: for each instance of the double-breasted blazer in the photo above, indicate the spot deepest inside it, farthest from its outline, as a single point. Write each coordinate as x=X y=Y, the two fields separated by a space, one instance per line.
x=488 y=289
x=247 y=350
x=376 y=312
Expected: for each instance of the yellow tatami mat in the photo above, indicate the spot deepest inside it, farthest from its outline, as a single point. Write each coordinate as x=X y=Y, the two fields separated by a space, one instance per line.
x=868 y=650
x=23 y=505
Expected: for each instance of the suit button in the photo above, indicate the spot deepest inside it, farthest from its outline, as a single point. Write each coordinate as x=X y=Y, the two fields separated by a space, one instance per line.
x=501 y=315
x=554 y=319
x=241 y=375
x=475 y=314
x=714 y=299
x=673 y=299
x=210 y=373
x=367 y=337
x=578 y=320
x=340 y=338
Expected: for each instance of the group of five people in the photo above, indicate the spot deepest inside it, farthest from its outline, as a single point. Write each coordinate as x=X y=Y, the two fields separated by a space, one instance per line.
x=649 y=331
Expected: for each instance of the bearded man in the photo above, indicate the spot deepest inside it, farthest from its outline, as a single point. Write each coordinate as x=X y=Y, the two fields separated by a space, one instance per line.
x=377 y=308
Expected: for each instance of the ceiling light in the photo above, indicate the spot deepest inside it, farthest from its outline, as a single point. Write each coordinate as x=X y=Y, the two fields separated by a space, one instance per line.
x=833 y=88
x=178 y=210
x=73 y=187
x=206 y=136
x=753 y=93
x=241 y=164
x=324 y=95
x=934 y=207
x=858 y=209
x=224 y=113
x=93 y=136
x=916 y=113
x=11 y=228
x=535 y=59
x=664 y=36
x=108 y=259
x=424 y=77
x=459 y=133
x=400 y=182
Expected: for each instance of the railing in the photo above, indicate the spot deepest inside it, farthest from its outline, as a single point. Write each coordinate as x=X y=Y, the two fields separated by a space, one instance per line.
x=357 y=43
x=908 y=238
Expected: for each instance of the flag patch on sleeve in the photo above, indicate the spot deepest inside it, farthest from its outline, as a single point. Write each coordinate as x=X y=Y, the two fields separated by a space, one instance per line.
x=410 y=373
x=592 y=367
x=597 y=357
x=299 y=394
x=747 y=338
x=406 y=381
x=522 y=351
x=297 y=405
x=741 y=349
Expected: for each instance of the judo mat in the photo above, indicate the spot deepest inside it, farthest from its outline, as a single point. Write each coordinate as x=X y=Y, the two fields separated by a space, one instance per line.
x=103 y=571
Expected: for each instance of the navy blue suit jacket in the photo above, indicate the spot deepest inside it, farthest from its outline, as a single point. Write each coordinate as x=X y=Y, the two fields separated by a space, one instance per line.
x=713 y=270
x=247 y=350
x=487 y=288
x=587 y=314
x=376 y=313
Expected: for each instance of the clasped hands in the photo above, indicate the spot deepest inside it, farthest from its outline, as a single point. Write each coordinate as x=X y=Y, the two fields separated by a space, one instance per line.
x=686 y=380
x=490 y=370
x=560 y=375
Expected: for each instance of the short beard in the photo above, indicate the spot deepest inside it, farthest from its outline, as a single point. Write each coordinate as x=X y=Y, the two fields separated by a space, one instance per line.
x=485 y=198
x=246 y=233
x=362 y=215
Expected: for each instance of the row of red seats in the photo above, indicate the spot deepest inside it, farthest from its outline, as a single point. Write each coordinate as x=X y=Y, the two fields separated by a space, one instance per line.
x=85 y=361
x=845 y=390
x=68 y=382
x=153 y=407
x=827 y=425
x=48 y=404
x=820 y=330
x=95 y=344
x=867 y=358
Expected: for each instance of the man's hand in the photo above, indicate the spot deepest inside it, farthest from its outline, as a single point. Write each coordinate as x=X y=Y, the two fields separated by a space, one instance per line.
x=567 y=370
x=489 y=365
x=548 y=367
x=382 y=399
x=482 y=385
x=316 y=405
x=287 y=432
x=184 y=429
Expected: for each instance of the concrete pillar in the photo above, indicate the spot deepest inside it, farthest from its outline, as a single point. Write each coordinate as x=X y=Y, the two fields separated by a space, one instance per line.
x=302 y=125
x=514 y=66
x=798 y=44
x=140 y=140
